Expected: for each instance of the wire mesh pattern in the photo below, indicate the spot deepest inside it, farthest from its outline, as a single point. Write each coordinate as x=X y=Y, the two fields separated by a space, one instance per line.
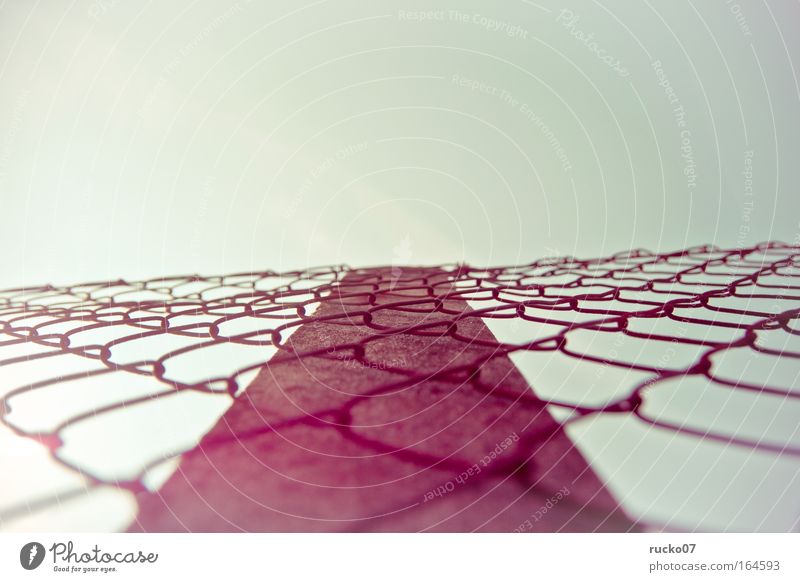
x=666 y=318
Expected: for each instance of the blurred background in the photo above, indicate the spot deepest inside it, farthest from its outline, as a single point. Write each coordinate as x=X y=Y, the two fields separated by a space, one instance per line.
x=141 y=139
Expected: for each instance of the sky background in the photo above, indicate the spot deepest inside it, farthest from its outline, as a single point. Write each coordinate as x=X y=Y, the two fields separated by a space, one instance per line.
x=144 y=139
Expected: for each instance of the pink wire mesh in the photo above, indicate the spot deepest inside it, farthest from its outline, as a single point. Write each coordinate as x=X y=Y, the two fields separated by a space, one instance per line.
x=735 y=295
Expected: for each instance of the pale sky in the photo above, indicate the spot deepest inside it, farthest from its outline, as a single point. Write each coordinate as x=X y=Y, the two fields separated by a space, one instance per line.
x=141 y=139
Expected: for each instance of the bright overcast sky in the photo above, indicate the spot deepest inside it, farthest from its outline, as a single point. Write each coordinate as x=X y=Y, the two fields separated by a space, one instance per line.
x=146 y=139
